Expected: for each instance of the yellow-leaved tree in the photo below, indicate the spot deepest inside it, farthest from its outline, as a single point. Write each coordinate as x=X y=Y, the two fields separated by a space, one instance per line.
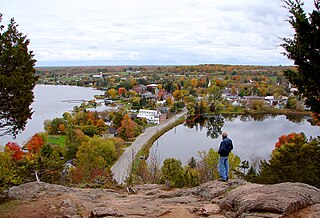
x=94 y=155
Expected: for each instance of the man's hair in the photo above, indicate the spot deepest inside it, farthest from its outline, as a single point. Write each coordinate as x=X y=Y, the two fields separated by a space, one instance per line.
x=224 y=134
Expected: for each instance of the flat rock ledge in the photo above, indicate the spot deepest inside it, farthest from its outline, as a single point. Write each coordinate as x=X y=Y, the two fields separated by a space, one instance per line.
x=235 y=198
x=33 y=190
x=277 y=200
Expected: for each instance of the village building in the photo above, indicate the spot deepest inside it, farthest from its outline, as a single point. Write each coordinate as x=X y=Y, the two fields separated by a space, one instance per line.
x=152 y=116
x=99 y=76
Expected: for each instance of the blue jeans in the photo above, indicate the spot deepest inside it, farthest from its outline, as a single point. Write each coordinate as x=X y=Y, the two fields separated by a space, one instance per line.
x=223 y=168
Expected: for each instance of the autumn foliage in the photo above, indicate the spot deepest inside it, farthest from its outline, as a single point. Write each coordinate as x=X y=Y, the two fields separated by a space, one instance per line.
x=291 y=138
x=127 y=128
x=316 y=118
x=35 y=144
x=122 y=91
x=15 y=150
x=296 y=160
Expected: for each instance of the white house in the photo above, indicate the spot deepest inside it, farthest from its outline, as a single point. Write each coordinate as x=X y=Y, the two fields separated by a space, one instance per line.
x=152 y=116
x=152 y=86
x=161 y=102
x=99 y=76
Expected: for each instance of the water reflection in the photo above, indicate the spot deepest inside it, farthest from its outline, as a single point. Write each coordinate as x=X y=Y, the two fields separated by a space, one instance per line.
x=253 y=136
x=296 y=118
x=255 y=117
x=214 y=123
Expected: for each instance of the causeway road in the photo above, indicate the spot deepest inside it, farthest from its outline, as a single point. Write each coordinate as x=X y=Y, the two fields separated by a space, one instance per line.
x=121 y=169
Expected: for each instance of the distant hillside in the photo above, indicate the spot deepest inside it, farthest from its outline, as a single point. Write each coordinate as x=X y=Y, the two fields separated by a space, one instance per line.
x=205 y=68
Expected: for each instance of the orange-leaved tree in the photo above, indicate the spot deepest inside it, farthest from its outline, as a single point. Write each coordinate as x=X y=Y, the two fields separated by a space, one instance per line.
x=92 y=118
x=122 y=91
x=291 y=138
x=127 y=128
x=35 y=144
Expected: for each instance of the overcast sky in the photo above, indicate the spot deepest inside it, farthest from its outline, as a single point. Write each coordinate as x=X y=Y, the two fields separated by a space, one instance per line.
x=152 y=32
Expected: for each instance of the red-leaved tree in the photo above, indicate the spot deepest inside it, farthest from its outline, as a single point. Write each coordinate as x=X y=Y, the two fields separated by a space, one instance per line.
x=15 y=150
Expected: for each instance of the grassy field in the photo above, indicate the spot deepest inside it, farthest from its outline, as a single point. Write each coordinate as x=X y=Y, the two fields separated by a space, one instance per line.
x=57 y=140
x=273 y=78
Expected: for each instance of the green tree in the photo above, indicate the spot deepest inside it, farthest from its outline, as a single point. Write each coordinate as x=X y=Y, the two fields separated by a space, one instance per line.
x=294 y=161
x=303 y=49
x=172 y=172
x=192 y=163
x=67 y=116
x=252 y=175
x=97 y=153
x=55 y=126
x=191 y=107
x=50 y=164
x=292 y=103
x=45 y=165
x=215 y=98
x=136 y=102
x=191 y=177
x=176 y=107
x=8 y=173
x=208 y=166
x=90 y=130
x=203 y=107
x=17 y=79
x=234 y=162
x=74 y=139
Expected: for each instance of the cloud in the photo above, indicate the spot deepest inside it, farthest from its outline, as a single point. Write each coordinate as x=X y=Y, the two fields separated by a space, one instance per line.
x=146 y=32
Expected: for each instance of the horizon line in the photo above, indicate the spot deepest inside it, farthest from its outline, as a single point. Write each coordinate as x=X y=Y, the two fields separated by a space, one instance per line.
x=161 y=65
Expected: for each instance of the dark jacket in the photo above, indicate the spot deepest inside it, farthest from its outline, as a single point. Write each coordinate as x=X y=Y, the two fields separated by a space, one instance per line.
x=225 y=147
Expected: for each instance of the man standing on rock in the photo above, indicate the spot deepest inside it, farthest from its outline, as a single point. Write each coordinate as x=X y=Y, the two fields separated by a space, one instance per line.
x=225 y=148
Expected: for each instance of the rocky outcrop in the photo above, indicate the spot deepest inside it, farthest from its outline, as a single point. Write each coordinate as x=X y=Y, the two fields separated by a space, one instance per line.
x=235 y=198
x=269 y=200
x=33 y=190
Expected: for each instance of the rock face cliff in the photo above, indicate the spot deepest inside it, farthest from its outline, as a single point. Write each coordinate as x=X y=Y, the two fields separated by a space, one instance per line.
x=235 y=198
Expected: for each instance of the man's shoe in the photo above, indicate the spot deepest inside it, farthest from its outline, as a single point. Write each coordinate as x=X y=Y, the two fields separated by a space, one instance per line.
x=222 y=180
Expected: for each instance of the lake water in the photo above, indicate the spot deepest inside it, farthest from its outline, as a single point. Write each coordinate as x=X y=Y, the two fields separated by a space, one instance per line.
x=49 y=104
x=251 y=138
